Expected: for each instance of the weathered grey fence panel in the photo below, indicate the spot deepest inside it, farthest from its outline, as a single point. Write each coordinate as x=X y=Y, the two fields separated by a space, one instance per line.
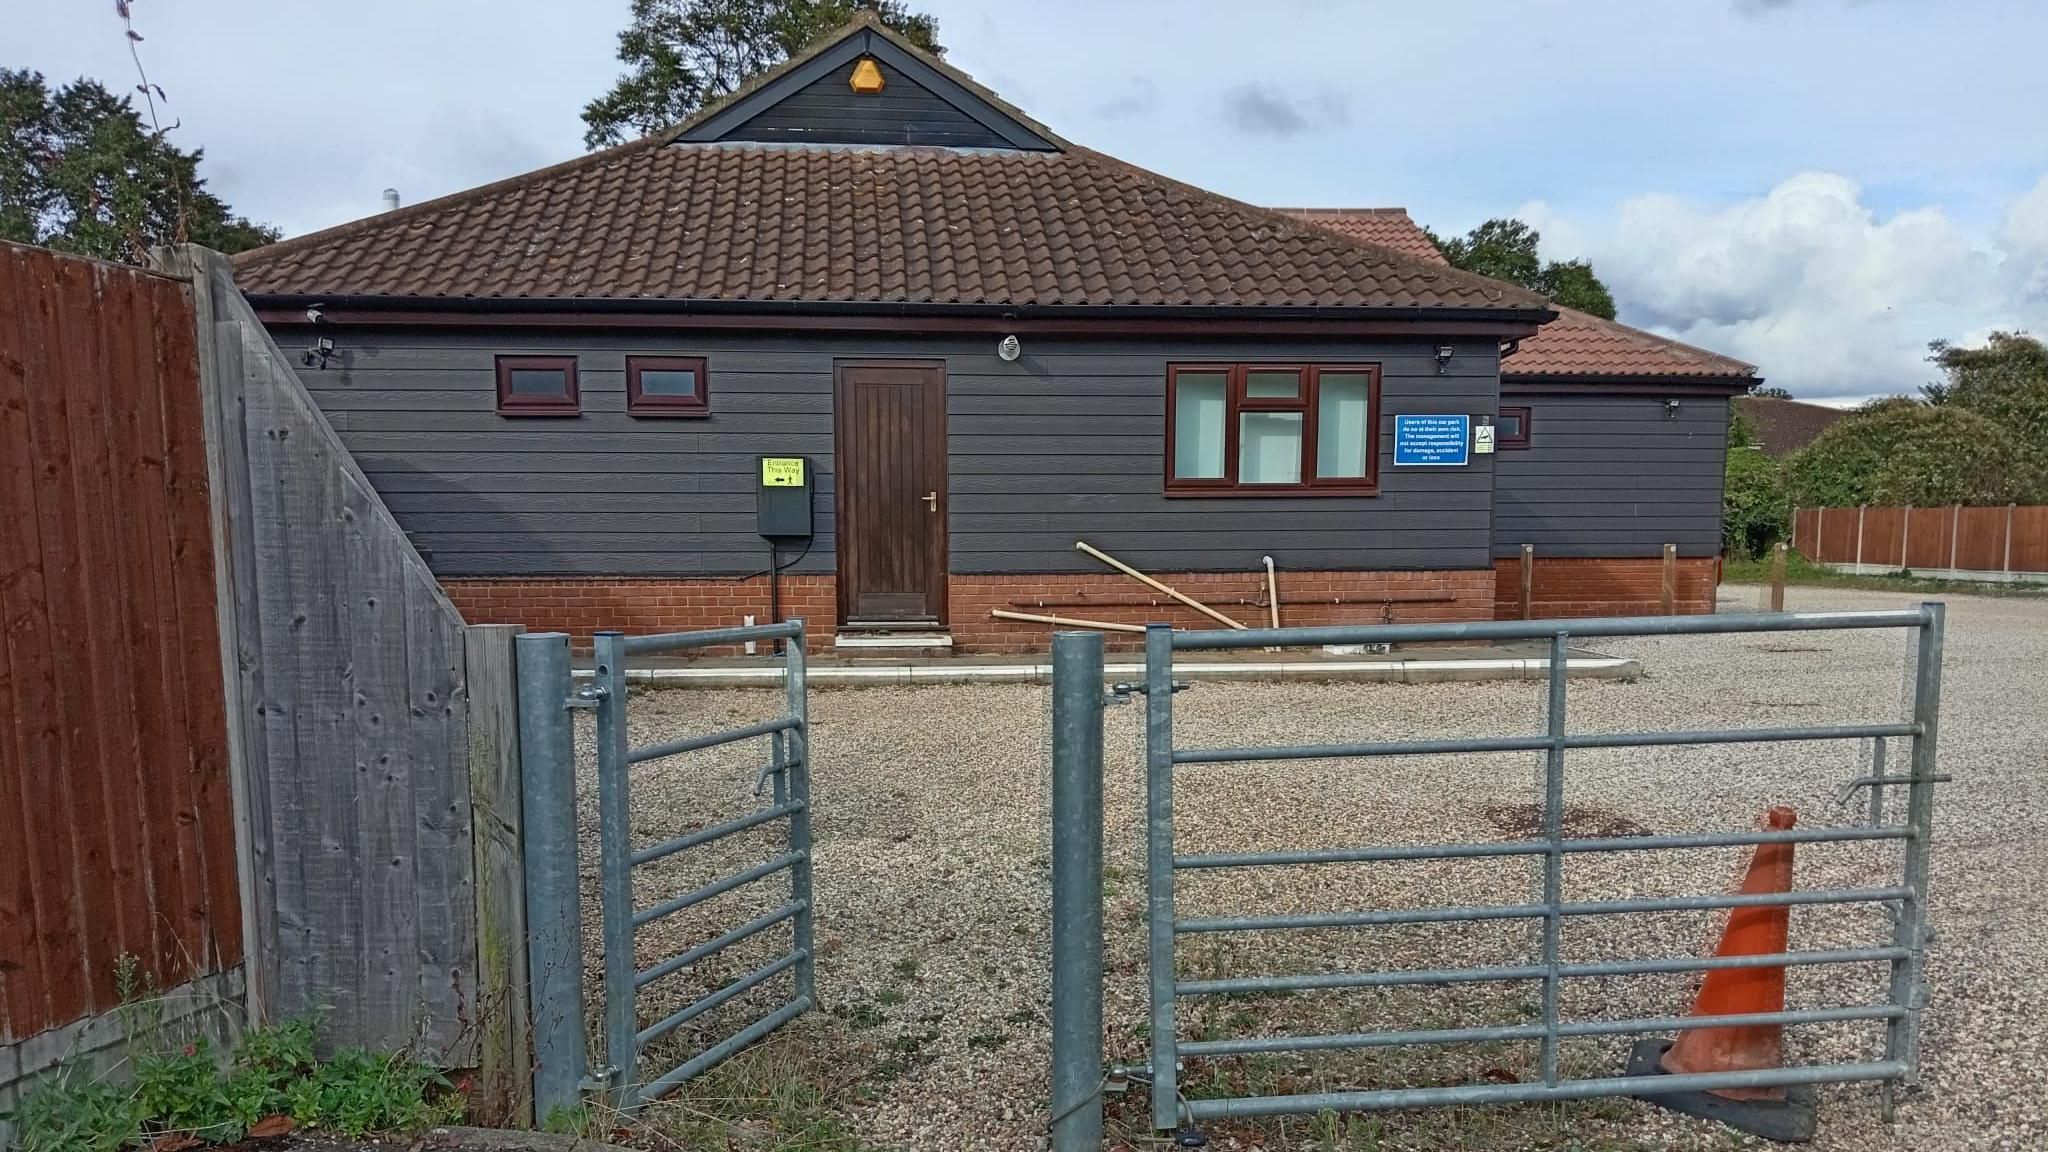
x=350 y=712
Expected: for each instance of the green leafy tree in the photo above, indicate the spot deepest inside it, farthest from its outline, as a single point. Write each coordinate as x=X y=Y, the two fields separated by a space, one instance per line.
x=81 y=172
x=1901 y=451
x=1506 y=249
x=682 y=55
x=1769 y=392
x=2005 y=381
x=1754 y=510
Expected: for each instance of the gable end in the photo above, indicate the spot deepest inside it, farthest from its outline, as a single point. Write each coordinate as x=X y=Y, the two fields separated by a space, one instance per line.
x=814 y=103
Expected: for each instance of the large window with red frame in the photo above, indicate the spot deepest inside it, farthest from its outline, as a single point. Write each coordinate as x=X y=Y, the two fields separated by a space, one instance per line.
x=1272 y=429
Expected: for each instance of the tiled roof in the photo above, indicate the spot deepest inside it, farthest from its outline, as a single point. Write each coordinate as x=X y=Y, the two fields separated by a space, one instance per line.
x=1575 y=344
x=1785 y=426
x=792 y=223
x=1386 y=227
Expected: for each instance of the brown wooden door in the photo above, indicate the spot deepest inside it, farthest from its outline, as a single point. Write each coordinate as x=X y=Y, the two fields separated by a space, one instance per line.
x=890 y=426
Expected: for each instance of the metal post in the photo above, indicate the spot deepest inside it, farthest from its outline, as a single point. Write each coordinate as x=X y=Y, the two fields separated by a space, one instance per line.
x=797 y=747
x=1159 y=870
x=554 y=913
x=1077 y=892
x=1902 y=1039
x=615 y=857
x=1553 y=861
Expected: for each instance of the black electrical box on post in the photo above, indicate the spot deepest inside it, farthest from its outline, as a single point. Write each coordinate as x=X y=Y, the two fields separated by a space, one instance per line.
x=782 y=496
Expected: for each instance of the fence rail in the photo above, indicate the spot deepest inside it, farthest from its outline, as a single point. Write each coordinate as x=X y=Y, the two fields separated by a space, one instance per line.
x=1998 y=543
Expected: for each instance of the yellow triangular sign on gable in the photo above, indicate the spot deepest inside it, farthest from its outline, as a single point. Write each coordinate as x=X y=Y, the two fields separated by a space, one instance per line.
x=867 y=77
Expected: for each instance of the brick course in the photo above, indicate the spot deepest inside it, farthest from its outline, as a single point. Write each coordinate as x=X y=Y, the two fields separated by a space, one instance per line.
x=1573 y=586
x=581 y=605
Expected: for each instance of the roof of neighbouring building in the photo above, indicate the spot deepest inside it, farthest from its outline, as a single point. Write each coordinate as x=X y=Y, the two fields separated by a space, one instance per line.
x=677 y=217
x=1386 y=227
x=1576 y=345
x=1783 y=427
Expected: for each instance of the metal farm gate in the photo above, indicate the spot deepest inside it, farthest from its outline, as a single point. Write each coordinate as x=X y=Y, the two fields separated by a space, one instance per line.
x=1077 y=1067
x=553 y=916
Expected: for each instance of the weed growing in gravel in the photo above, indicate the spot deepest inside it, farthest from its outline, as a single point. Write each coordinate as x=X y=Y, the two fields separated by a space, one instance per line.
x=786 y=1094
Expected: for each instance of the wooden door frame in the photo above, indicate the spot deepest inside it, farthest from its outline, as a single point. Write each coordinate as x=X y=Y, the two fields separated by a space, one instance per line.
x=936 y=430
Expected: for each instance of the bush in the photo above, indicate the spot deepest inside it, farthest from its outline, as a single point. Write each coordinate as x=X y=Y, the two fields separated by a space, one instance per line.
x=1903 y=452
x=1753 y=505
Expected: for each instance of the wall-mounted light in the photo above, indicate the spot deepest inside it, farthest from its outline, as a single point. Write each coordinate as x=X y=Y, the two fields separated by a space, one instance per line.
x=1444 y=352
x=316 y=356
x=1671 y=408
x=1010 y=348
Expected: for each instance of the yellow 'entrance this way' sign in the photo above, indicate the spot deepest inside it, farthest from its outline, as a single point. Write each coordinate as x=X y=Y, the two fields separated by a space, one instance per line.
x=782 y=472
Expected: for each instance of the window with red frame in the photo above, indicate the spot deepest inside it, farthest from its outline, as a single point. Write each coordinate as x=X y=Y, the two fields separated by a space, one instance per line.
x=1511 y=428
x=538 y=386
x=667 y=386
x=1272 y=429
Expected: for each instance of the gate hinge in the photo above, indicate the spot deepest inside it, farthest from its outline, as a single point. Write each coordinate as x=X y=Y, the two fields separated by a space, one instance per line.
x=602 y=1078
x=586 y=697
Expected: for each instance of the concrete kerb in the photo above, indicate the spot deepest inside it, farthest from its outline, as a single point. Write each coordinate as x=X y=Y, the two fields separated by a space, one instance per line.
x=1581 y=665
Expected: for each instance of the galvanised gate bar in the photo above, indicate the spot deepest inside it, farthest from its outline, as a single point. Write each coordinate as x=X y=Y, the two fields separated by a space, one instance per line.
x=789 y=770
x=1904 y=953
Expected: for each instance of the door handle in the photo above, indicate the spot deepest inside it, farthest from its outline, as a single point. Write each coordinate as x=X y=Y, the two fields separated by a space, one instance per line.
x=931 y=501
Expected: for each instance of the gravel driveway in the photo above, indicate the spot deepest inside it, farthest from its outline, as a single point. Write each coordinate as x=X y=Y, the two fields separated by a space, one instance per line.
x=932 y=867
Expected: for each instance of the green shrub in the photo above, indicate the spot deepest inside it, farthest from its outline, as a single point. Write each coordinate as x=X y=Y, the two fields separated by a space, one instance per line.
x=1753 y=504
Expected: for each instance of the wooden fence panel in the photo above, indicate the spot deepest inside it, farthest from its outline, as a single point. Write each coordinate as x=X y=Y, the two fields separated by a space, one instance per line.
x=351 y=714
x=2030 y=539
x=1980 y=546
x=1838 y=535
x=1884 y=536
x=116 y=822
x=1929 y=532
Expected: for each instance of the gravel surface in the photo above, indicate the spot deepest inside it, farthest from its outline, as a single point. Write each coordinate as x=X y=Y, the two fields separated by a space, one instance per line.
x=933 y=888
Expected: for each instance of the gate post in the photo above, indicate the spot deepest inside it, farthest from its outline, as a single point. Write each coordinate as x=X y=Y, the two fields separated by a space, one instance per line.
x=554 y=914
x=1902 y=1037
x=797 y=766
x=1159 y=873
x=1077 y=892
x=615 y=870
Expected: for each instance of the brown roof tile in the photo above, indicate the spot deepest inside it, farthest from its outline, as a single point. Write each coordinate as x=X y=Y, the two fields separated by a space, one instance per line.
x=1574 y=344
x=1578 y=344
x=1386 y=227
x=729 y=222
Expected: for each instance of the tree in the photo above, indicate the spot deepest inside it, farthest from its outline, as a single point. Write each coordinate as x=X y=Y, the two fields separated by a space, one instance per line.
x=80 y=172
x=2005 y=381
x=1506 y=249
x=682 y=55
x=1903 y=451
x=1769 y=392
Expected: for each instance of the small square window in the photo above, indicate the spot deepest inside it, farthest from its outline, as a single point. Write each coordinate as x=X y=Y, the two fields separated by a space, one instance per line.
x=537 y=386
x=1511 y=428
x=667 y=386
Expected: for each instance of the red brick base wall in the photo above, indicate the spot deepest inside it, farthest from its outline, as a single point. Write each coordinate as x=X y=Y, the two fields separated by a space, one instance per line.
x=582 y=605
x=1572 y=586
x=1305 y=598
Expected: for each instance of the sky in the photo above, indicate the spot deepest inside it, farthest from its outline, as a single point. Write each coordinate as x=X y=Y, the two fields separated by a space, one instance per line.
x=1820 y=187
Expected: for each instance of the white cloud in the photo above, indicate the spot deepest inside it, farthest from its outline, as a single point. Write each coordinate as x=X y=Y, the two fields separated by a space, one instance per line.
x=1827 y=296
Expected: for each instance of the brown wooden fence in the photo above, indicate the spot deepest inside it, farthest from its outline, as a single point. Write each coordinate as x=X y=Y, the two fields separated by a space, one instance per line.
x=116 y=816
x=2003 y=542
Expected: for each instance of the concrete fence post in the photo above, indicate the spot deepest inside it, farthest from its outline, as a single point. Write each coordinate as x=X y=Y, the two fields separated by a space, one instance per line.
x=1860 y=508
x=2007 y=565
x=1955 y=535
x=1905 y=538
x=1077 y=892
x=554 y=913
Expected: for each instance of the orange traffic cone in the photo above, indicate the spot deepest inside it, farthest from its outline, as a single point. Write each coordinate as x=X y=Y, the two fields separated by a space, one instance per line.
x=1773 y=1113
x=1744 y=991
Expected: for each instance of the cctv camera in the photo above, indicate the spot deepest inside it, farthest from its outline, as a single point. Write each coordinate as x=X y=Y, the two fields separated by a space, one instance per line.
x=313 y=314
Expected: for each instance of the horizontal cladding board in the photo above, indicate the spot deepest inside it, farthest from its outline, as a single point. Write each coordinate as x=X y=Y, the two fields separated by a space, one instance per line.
x=1153 y=540
x=1647 y=439
x=454 y=463
x=565 y=439
x=484 y=401
x=572 y=543
x=487 y=563
x=676 y=522
x=1706 y=485
x=438 y=347
x=570 y=485
x=579 y=505
x=624 y=425
x=1541 y=537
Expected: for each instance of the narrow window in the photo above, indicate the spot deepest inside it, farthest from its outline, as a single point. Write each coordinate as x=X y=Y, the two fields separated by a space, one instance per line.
x=1255 y=429
x=1511 y=428
x=537 y=386
x=667 y=386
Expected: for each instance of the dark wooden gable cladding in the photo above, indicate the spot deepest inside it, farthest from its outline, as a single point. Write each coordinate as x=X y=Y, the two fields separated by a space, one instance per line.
x=814 y=103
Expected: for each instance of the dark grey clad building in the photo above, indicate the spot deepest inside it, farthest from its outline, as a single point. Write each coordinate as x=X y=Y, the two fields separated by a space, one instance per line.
x=865 y=344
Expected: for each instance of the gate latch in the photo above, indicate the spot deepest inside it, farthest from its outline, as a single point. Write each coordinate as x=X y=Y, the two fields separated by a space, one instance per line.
x=1843 y=793
x=586 y=697
x=1122 y=691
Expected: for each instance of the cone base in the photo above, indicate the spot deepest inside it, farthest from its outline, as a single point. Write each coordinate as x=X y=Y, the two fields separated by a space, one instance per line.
x=1787 y=1121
